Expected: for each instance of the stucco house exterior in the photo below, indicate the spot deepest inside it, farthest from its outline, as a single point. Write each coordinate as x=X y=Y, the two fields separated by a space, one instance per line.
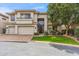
x=26 y=22
x=3 y=20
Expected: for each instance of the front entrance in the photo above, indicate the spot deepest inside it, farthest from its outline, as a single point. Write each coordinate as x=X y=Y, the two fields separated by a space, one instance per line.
x=40 y=25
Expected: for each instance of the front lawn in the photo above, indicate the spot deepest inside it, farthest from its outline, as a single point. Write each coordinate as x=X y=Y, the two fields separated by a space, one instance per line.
x=59 y=39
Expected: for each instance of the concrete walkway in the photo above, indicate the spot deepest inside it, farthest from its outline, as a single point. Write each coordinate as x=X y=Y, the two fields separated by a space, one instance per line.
x=32 y=49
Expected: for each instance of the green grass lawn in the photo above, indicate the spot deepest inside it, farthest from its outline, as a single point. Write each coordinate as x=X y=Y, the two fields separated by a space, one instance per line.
x=58 y=39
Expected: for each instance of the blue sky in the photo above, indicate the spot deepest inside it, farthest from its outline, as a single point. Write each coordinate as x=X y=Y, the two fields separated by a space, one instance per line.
x=9 y=7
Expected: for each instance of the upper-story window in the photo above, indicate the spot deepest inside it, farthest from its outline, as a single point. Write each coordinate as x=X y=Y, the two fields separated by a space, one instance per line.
x=25 y=15
x=12 y=18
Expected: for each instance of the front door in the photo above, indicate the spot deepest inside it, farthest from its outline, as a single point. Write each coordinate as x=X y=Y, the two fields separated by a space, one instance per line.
x=40 y=25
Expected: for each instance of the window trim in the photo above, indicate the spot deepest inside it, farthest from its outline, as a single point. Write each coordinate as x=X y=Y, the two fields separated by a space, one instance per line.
x=25 y=16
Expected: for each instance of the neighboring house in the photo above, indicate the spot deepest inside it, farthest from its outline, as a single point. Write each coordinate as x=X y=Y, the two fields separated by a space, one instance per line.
x=26 y=22
x=3 y=20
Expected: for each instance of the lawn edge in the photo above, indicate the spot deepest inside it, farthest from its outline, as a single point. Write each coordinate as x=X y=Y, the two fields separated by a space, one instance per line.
x=77 y=46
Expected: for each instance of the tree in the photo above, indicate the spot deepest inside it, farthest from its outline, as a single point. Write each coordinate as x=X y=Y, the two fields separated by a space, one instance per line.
x=67 y=14
x=53 y=15
x=70 y=15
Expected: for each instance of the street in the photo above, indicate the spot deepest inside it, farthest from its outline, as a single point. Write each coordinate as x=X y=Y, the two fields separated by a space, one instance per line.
x=35 y=49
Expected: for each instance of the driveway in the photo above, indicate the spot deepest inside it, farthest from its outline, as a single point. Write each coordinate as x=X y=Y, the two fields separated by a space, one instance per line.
x=32 y=49
x=69 y=49
x=15 y=37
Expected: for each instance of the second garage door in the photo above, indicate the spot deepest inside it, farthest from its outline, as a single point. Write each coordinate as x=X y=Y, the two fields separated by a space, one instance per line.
x=11 y=30
x=25 y=30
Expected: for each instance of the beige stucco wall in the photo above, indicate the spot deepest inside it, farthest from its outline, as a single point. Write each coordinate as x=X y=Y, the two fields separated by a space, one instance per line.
x=24 y=22
x=33 y=20
x=2 y=20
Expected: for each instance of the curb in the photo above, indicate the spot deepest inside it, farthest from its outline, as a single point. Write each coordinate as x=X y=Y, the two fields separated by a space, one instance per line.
x=76 y=46
x=41 y=41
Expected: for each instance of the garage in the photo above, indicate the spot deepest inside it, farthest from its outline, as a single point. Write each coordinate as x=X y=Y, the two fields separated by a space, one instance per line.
x=25 y=30
x=11 y=30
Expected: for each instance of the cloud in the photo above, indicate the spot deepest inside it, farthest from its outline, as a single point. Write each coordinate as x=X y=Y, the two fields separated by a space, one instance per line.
x=5 y=9
x=37 y=8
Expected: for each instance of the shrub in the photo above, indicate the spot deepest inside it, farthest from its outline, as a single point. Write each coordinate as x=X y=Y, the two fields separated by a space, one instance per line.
x=36 y=33
x=46 y=33
x=54 y=32
x=77 y=32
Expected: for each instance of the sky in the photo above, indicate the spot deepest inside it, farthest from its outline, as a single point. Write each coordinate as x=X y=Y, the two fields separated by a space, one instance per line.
x=9 y=7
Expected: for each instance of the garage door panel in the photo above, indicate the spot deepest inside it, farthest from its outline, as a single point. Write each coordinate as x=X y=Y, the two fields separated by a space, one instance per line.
x=25 y=30
x=11 y=30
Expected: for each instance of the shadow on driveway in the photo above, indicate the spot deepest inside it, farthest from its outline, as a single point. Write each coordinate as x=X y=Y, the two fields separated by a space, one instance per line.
x=69 y=49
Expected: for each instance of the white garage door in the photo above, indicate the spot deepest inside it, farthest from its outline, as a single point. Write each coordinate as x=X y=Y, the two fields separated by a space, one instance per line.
x=25 y=30
x=11 y=30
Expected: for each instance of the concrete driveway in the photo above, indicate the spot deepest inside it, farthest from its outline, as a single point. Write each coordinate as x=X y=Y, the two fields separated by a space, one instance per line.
x=15 y=37
x=31 y=49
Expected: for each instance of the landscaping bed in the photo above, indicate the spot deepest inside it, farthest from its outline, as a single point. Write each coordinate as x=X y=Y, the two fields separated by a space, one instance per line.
x=58 y=39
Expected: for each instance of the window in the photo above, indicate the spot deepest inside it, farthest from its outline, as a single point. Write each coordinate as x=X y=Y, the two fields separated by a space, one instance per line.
x=12 y=18
x=25 y=15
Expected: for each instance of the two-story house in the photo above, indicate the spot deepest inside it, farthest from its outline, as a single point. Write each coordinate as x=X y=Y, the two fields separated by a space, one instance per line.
x=26 y=22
